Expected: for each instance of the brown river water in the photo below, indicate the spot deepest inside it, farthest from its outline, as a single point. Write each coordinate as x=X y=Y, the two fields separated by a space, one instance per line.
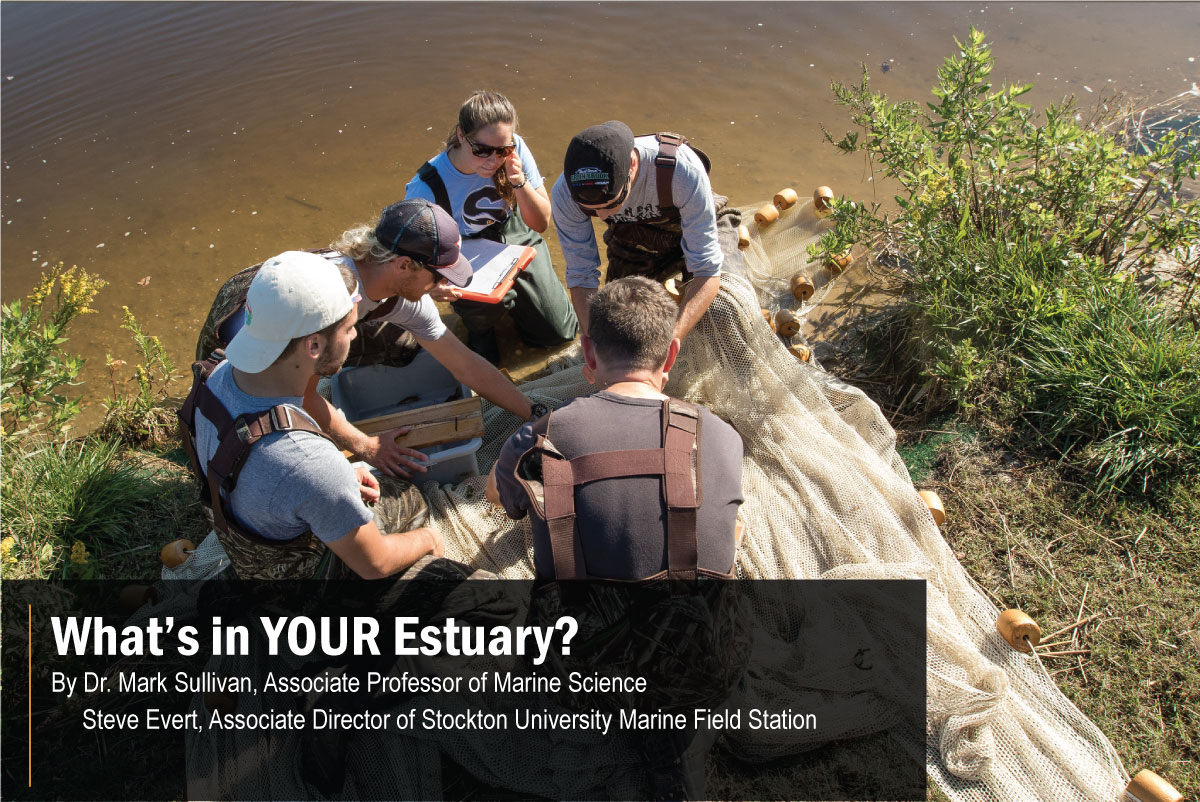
x=185 y=141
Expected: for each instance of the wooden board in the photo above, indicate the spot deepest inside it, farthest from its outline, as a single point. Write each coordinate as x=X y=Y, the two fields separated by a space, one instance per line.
x=432 y=425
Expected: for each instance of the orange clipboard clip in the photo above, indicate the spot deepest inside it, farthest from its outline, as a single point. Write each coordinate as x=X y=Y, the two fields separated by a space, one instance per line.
x=496 y=266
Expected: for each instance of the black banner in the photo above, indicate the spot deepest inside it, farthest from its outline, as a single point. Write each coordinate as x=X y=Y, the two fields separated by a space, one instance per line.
x=445 y=687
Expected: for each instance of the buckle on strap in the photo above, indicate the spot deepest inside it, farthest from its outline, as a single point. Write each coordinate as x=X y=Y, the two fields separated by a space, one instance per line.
x=664 y=161
x=275 y=417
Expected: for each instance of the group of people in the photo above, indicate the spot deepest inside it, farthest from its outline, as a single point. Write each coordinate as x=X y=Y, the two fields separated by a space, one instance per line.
x=602 y=475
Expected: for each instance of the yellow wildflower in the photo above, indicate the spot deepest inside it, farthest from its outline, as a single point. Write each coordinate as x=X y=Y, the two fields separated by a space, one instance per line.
x=79 y=553
x=78 y=288
x=6 y=550
x=42 y=291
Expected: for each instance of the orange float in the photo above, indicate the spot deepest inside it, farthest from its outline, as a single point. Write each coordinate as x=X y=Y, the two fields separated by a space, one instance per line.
x=176 y=552
x=766 y=215
x=802 y=287
x=1021 y=631
x=934 y=503
x=221 y=702
x=785 y=199
x=821 y=199
x=134 y=596
x=786 y=323
x=801 y=352
x=1146 y=786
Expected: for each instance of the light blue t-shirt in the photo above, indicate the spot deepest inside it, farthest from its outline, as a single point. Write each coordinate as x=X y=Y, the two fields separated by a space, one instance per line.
x=474 y=201
x=292 y=482
x=691 y=191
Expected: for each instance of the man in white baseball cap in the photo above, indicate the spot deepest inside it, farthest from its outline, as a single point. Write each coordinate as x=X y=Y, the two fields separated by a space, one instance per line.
x=281 y=492
x=410 y=249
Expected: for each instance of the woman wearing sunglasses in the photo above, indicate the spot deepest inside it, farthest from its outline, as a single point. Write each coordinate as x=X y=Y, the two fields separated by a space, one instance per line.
x=488 y=180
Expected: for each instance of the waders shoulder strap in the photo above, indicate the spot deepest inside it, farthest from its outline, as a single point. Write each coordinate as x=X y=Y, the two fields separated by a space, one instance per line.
x=429 y=174
x=677 y=462
x=235 y=437
x=664 y=168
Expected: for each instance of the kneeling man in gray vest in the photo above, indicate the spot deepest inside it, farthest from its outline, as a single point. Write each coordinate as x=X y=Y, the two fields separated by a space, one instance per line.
x=626 y=483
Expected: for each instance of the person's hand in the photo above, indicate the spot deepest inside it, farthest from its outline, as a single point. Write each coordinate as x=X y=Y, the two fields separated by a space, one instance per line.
x=513 y=170
x=444 y=293
x=394 y=460
x=433 y=538
x=368 y=485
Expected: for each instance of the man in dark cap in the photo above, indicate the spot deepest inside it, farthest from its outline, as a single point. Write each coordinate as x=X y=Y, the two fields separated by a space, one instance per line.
x=412 y=248
x=654 y=194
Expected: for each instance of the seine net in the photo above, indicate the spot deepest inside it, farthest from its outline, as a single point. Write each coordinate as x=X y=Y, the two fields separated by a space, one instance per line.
x=827 y=497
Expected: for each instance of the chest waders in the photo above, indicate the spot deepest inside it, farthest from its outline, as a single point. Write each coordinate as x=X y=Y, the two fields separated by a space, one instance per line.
x=687 y=638
x=654 y=248
x=676 y=461
x=377 y=341
x=540 y=308
x=252 y=555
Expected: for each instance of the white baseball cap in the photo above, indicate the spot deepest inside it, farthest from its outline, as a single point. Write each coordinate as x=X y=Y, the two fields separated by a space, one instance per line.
x=293 y=294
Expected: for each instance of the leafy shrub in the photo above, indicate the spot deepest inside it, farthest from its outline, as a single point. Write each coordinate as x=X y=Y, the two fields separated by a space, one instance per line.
x=33 y=366
x=1014 y=240
x=140 y=415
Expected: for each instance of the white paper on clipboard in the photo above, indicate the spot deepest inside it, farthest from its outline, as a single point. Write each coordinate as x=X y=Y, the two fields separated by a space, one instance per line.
x=494 y=265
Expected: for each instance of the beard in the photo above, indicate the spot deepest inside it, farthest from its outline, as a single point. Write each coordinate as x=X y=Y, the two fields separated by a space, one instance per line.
x=330 y=364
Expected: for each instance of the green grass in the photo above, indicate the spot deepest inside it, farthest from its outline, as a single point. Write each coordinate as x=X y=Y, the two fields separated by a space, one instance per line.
x=1061 y=551
x=118 y=504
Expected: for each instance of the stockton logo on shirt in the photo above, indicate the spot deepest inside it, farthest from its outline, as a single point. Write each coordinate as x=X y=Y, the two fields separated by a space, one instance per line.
x=590 y=177
x=483 y=207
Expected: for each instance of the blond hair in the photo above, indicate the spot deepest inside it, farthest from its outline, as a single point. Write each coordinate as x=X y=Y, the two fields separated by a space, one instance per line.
x=360 y=244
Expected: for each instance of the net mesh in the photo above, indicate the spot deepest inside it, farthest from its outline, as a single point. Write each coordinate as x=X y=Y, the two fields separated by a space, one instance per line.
x=827 y=497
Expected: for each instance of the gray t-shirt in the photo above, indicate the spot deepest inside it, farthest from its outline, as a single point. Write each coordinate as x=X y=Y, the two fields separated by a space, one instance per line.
x=292 y=482
x=691 y=192
x=622 y=522
x=421 y=317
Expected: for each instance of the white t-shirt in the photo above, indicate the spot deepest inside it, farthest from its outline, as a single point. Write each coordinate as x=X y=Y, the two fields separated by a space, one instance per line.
x=474 y=201
x=419 y=317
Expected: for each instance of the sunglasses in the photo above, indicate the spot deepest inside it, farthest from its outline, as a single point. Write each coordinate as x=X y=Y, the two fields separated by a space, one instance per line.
x=483 y=151
x=613 y=204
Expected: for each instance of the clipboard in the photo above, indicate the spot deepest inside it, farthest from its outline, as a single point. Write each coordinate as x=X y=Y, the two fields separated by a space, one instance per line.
x=496 y=266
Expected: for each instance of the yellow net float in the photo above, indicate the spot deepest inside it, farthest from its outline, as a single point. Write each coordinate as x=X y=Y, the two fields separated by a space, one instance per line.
x=801 y=352
x=785 y=199
x=221 y=702
x=786 y=323
x=1021 y=631
x=743 y=238
x=766 y=215
x=134 y=596
x=802 y=287
x=821 y=198
x=674 y=289
x=1146 y=786
x=934 y=503
x=176 y=552
x=838 y=263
